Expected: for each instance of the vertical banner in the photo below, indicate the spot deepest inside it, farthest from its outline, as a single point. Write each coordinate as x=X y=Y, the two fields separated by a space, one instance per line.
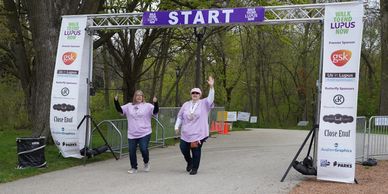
x=341 y=60
x=69 y=90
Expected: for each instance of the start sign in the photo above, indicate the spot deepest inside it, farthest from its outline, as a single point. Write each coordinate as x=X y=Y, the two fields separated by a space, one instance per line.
x=203 y=17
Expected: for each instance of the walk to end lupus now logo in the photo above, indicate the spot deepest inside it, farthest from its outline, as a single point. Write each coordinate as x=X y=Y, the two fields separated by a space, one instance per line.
x=72 y=31
x=343 y=21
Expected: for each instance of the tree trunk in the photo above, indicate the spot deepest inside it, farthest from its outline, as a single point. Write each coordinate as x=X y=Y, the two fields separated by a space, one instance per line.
x=45 y=22
x=160 y=68
x=106 y=86
x=384 y=58
x=45 y=26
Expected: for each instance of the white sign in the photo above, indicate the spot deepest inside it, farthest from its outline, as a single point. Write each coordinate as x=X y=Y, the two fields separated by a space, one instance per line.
x=303 y=123
x=341 y=60
x=232 y=117
x=381 y=121
x=253 y=119
x=69 y=90
x=243 y=116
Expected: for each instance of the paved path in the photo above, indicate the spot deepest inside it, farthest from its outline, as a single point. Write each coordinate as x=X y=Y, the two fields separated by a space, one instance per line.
x=242 y=162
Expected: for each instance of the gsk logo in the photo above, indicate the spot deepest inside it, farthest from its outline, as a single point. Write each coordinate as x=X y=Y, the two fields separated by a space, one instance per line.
x=69 y=57
x=341 y=57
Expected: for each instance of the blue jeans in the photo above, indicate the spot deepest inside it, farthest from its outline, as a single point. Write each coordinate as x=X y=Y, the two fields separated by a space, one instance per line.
x=195 y=159
x=143 y=145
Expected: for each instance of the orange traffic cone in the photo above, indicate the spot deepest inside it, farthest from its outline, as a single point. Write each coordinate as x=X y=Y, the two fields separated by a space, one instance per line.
x=213 y=127
x=219 y=128
x=226 y=128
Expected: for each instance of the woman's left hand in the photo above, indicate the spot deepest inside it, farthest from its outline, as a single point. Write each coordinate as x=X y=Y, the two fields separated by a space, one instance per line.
x=210 y=81
x=154 y=99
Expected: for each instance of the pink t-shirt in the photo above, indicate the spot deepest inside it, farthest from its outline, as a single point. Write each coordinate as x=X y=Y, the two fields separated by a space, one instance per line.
x=139 y=119
x=195 y=124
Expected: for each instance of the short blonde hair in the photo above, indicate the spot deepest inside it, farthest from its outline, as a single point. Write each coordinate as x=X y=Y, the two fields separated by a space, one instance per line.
x=138 y=93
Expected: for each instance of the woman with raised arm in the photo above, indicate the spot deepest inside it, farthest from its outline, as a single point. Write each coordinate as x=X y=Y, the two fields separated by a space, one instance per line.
x=139 y=114
x=192 y=119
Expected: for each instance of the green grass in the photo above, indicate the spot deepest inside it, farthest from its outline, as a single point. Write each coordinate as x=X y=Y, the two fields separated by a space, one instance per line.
x=9 y=158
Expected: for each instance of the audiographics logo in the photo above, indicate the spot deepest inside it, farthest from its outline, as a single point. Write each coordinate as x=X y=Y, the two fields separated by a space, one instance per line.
x=341 y=57
x=336 y=148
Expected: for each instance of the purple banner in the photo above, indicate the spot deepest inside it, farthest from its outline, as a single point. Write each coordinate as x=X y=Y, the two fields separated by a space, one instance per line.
x=203 y=17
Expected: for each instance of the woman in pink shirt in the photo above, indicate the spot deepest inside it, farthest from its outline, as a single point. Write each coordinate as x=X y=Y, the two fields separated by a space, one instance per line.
x=192 y=119
x=139 y=114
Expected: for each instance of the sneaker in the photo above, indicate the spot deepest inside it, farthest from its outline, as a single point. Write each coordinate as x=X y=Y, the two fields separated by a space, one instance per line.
x=189 y=167
x=132 y=171
x=193 y=172
x=147 y=167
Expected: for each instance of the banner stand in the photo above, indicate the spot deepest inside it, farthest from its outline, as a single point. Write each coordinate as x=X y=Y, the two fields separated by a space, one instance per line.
x=312 y=131
x=89 y=119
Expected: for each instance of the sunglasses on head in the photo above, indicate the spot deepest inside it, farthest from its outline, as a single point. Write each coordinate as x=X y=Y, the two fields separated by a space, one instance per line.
x=194 y=92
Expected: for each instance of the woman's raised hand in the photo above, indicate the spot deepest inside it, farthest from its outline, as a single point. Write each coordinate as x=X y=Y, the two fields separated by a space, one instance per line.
x=210 y=81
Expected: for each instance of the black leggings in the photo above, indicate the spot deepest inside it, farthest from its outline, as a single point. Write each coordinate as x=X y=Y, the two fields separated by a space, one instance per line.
x=195 y=159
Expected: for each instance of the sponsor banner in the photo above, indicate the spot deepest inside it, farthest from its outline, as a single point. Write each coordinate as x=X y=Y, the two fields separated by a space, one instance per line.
x=203 y=17
x=243 y=116
x=68 y=95
x=381 y=121
x=340 y=73
x=231 y=116
x=226 y=116
x=253 y=119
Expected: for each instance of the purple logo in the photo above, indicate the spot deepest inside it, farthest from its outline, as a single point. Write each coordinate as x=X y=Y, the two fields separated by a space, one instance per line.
x=251 y=14
x=152 y=18
x=343 y=21
x=72 y=31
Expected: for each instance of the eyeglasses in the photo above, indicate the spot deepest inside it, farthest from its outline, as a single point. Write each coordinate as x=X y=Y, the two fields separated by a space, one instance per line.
x=195 y=93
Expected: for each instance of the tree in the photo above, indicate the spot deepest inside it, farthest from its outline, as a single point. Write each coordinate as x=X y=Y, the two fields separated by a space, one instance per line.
x=384 y=58
x=34 y=65
x=227 y=69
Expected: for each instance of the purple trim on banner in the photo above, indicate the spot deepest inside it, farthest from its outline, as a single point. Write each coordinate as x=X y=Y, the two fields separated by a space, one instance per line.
x=202 y=17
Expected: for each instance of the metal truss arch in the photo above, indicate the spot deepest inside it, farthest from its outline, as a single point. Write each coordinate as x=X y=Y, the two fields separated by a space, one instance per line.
x=304 y=13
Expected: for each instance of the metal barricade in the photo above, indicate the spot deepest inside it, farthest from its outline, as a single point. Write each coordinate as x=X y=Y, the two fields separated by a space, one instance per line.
x=117 y=138
x=162 y=129
x=167 y=116
x=378 y=137
x=361 y=137
x=114 y=136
